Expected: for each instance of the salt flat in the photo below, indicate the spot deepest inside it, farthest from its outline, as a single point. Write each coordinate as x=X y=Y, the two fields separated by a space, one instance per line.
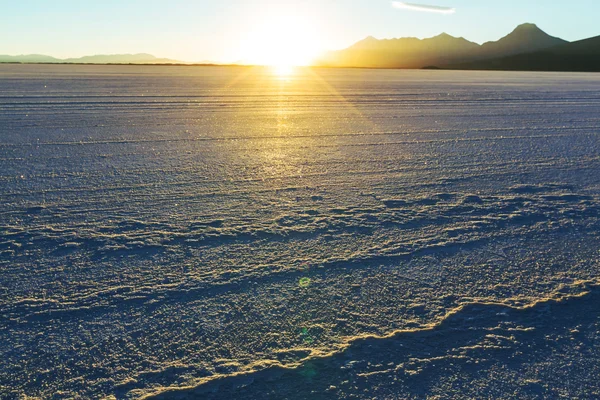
x=186 y=232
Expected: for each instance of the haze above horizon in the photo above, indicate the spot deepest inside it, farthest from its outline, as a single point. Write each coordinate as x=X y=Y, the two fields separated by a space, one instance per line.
x=267 y=32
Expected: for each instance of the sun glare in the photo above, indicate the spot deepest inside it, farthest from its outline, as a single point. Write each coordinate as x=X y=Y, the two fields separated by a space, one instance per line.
x=282 y=40
x=283 y=70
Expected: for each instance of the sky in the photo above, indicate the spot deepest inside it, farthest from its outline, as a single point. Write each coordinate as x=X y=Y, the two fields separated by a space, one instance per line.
x=251 y=30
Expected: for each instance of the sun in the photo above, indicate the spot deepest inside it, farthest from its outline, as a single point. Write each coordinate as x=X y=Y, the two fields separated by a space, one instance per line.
x=282 y=40
x=283 y=70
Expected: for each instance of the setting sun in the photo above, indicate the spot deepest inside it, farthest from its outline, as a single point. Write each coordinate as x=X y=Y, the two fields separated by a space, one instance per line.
x=283 y=70
x=282 y=40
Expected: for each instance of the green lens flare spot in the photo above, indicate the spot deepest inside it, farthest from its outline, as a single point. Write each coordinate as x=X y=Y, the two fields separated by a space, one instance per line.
x=304 y=282
x=308 y=371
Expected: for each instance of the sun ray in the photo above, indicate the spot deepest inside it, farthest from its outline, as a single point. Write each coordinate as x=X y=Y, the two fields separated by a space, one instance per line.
x=369 y=124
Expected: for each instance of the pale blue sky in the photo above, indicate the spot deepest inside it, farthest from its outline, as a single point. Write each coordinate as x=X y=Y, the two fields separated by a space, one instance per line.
x=197 y=30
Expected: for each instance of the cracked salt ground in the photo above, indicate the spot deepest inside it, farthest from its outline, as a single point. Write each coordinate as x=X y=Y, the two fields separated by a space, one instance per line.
x=342 y=234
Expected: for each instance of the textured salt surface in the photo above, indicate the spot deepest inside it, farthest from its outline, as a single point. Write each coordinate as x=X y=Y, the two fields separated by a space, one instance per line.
x=194 y=232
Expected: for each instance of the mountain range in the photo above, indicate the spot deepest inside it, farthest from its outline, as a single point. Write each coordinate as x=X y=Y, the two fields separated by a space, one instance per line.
x=141 y=58
x=526 y=48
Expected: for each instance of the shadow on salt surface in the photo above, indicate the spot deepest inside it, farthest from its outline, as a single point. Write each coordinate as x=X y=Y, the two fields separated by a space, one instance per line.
x=531 y=189
x=478 y=351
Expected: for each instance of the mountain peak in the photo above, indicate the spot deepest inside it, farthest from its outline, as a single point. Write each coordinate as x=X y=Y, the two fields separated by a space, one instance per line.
x=528 y=26
x=528 y=30
x=526 y=38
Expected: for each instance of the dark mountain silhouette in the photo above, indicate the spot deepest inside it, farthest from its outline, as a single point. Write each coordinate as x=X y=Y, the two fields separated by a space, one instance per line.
x=141 y=58
x=524 y=39
x=401 y=53
x=438 y=51
x=580 y=56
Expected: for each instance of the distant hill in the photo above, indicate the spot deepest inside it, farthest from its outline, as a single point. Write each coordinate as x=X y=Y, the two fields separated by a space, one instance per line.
x=580 y=56
x=30 y=58
x=141 y=58
x=442 y=50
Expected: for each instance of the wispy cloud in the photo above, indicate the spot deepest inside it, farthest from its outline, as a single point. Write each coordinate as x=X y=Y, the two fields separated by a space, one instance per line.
x=423 y=7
